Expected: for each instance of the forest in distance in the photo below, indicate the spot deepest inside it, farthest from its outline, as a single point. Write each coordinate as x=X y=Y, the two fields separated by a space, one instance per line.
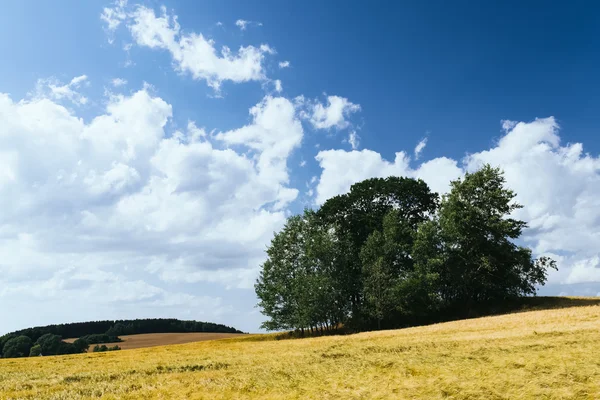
x=48 y=340
x=391 y=253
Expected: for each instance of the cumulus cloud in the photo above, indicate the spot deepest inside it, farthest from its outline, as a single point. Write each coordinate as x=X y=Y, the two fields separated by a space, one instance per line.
x=90 y=207
x=278 y=86
x=332 y=115
x=284 y=64
x=191 y=52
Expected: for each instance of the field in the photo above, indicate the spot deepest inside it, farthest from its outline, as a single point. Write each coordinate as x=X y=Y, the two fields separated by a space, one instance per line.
x=546 y=354
x=163 y=339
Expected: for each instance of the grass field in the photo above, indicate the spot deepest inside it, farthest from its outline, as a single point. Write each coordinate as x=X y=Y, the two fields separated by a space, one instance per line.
x=547 y=354
x=163 y=339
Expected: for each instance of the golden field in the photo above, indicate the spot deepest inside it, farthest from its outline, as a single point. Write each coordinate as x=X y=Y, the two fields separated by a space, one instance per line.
x=546 y=354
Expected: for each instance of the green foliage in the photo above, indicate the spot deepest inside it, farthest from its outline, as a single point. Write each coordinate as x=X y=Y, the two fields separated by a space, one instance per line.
x=296 y=286
x=482 y=262
x=51 y=345
x=101 y=338
x=360 y=212
x=35 y=351
x=385 y=253
x=17 y=347
x=102 y=348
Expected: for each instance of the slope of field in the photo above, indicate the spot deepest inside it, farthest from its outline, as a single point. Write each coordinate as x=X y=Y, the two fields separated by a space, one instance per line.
x=163 y=339
x=549 y=354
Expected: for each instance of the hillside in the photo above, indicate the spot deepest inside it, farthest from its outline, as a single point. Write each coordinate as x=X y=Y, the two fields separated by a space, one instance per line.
x=550 y=354
x=162 y=339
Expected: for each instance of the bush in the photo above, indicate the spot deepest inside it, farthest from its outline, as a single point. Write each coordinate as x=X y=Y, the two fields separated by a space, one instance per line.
x=17 y=347
x=35 y=351
x=102 y=348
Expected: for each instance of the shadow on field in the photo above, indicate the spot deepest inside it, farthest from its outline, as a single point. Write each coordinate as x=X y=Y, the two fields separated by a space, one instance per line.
x=548 y=303
x=523 y=304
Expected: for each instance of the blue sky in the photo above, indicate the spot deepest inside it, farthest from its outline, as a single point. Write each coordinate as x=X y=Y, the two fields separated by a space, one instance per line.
x=112 y=198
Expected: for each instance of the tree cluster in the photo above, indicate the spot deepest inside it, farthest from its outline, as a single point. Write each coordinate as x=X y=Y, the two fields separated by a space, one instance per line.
x=21 y=343
x=102 y=348
x=99 y=338
x=48 y=344
x=391 y=253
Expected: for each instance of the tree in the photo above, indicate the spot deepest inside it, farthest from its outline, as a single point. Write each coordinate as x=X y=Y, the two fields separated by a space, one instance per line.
x=360 y=212
x=80 y=346
x=482 y=264
x=35 y=351
x=296 y=289
x=386 y=264
x=50 y=344
x=17 y=347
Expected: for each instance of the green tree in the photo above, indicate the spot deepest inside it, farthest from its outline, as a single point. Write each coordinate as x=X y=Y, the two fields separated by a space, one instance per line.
x=50 y=344
x=296 y=289
x=482 y=263
x=17 y=347
x=360 y=212
x=35 y=351
x=80 y=346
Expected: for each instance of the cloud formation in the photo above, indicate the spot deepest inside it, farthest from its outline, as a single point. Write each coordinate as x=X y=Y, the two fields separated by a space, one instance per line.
x=334 y=114
x=191 y=52
x=98 y=204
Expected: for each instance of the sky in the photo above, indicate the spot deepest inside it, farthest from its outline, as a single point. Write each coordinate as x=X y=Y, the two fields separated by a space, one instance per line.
x=149 y=150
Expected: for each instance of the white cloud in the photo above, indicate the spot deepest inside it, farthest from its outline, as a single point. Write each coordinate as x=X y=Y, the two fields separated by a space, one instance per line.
x=55 y=90
x=136 y=204
x=343 y=168
x=278 y=86
x=333 y=114
x=192 y=52
x=113 y=16
x=420 y=147
x=284 y=64
x=354 y=140
x=243 y=24
x=116 y=82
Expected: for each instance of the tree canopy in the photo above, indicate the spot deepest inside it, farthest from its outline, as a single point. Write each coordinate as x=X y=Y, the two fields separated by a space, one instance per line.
x=392 y=253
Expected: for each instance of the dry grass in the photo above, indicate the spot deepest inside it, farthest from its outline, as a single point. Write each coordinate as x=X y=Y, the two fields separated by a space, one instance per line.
x=549 y=354
x=163 y=339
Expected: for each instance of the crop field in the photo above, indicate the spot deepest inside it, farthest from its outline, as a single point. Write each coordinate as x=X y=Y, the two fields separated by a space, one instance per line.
x=545 y=354
x=163 y=339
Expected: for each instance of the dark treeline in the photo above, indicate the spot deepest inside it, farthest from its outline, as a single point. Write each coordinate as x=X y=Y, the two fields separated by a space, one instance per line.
x=20 y=343
x=99 y=338
x=391 y=253
x=102 y=348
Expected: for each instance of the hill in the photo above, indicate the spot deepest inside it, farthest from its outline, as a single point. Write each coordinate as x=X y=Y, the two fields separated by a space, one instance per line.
x=549 y=354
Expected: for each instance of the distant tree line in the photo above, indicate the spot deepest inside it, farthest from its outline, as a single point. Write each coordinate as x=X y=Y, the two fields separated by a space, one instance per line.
x=102 y=348
x=100 y=338
x=49 y=338
x=391 y=253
